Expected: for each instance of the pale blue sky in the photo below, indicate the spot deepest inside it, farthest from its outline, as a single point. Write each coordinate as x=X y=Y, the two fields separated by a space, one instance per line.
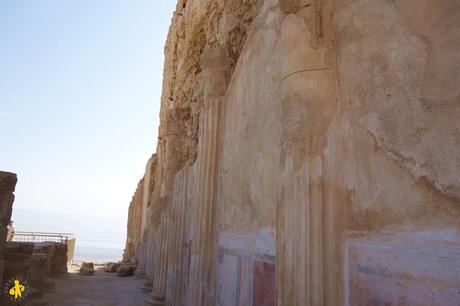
x=80 y=86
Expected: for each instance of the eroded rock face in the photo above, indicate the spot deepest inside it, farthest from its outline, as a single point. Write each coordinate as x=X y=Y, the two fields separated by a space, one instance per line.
x=134 y=225
x=7 y=185
x=297 y=138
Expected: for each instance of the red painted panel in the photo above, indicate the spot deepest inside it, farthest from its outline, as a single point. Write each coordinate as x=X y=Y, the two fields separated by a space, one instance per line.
x=264 y=291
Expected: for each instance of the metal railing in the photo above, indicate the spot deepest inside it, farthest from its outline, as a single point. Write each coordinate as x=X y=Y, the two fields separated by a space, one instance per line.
x=36 y=237
x=42 y=237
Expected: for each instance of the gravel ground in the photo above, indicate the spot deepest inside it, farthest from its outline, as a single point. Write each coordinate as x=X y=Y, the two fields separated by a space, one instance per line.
x=100 y=289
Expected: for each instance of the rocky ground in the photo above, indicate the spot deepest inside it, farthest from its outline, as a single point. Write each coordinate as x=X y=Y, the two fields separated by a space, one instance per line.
x=99 y=289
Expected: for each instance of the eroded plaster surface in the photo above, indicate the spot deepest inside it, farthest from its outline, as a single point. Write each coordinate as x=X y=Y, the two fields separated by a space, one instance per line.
x=312 y=142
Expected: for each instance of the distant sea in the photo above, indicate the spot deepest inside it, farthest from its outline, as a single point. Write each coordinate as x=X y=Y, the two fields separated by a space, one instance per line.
x=98 y=251
x=99 y=239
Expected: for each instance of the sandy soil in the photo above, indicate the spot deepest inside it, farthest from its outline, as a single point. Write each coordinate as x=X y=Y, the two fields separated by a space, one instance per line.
x=100 y=289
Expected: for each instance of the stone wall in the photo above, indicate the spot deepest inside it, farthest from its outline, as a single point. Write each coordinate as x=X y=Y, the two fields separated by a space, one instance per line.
x=35 y=263
x=133 y=236
x=307 y=155
x=7 y=185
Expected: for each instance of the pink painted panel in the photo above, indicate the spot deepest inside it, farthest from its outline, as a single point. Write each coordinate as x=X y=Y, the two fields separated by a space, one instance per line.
x=403 y=270
x=264 y=291
x=227 y=280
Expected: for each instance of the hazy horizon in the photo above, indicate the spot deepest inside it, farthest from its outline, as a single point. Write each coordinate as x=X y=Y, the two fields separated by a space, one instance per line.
x=80 y=88
x=98 y=238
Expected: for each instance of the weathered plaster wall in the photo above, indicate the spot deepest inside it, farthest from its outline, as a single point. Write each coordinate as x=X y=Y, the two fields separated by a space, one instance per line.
x=398 y=78
x=248 y=163
x=247 y=192
x=393 y=146
x=308 y=155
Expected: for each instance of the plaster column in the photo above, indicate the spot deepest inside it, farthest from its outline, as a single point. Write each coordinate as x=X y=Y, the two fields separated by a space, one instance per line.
x=216 y=68
x=137 y=221
x=158 y=296
x=149 y=260
x=308 y=104
x=140 y=271
x=178 y=241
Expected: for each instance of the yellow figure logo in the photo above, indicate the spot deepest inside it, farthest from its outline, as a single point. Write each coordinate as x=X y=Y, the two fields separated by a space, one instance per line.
x=17 y=290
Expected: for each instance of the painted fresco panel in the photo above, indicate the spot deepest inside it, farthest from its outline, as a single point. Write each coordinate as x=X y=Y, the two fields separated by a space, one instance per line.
x=227 y=280
x=402 y=272
x=264 y=291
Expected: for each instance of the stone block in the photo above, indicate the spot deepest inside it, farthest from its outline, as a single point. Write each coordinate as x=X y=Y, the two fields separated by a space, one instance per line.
x=37 y=273
x=60 y=259
x=18 y=256
x=126 y=270
x=112 y=267
x=87 y=268
x=56 y=257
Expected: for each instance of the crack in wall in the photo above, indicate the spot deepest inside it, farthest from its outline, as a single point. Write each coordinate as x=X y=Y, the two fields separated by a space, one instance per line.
x=408 y=164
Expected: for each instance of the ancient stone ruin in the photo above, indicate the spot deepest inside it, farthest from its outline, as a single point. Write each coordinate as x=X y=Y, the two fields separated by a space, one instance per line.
x=36 y=263
x=308 y=154
x=7 y=185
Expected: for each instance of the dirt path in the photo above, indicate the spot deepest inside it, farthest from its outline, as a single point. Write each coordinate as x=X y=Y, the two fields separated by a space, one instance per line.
x=100 y=289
